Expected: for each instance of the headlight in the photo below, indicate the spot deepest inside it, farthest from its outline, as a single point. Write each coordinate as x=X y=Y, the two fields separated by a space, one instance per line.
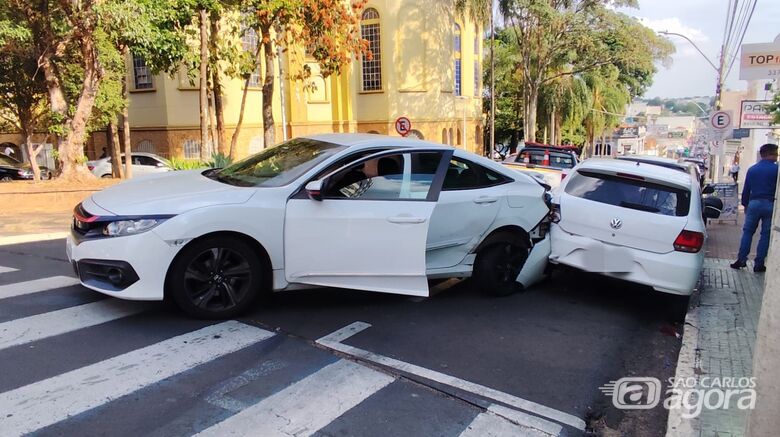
x=130 y=227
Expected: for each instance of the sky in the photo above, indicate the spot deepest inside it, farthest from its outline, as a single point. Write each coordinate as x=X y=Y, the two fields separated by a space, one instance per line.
x=702 y=21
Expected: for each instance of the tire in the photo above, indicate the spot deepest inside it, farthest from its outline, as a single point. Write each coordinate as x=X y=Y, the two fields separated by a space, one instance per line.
x=216 y=278
x=497 y=266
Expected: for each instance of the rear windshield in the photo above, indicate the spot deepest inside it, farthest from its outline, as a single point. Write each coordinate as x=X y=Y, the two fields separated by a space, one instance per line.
x=537 y=157
x=629 y=193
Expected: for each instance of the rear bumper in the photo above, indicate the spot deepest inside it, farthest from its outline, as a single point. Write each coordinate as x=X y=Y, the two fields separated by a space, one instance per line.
x=673 y=272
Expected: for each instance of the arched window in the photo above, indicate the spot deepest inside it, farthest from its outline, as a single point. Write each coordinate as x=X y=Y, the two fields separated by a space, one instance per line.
x=249 y=44
x=145 y=146
x=191 y=149
x=459 y=139
x=456 y=53
x=372 y=62
x=444 y=136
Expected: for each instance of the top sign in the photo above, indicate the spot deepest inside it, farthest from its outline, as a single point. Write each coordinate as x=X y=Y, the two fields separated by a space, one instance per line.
x=760 y=61
x=403 y=126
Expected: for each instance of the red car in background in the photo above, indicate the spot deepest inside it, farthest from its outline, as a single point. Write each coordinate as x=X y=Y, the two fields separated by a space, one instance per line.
x=545 y=162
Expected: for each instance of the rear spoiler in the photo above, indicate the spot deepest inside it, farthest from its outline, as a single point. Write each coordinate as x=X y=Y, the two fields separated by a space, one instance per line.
x=628 y=175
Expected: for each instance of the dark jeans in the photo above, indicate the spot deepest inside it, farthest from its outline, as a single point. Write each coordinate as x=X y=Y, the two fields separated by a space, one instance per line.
x=757 y=210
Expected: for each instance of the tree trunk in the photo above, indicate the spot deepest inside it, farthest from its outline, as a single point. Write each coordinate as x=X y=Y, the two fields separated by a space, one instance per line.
x=552 y=126
x=234 y=139
x=530 y=116
x=117 y=169
x=32 y=152
x=126 y=123
x=212 y=126
x=269 y=137
x=216 y=84
x=203 y=100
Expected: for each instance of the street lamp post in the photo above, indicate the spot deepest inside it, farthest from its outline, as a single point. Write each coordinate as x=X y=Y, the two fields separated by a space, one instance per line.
x=715 y=170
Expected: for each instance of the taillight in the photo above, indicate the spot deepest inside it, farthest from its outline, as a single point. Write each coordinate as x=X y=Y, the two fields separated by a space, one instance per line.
x=689 y=241
x=90 y=167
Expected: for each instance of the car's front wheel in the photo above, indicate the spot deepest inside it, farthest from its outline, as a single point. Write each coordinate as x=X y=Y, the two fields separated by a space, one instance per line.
x=497 y=266
x=216 y=278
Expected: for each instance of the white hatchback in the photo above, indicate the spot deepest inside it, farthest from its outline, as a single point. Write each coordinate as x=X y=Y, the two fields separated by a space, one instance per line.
x=355 y=211
x=630 y=220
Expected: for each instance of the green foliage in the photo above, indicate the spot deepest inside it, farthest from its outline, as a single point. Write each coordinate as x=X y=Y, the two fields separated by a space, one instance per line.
x=219 y=160
x=186 y=164
x=774 y=109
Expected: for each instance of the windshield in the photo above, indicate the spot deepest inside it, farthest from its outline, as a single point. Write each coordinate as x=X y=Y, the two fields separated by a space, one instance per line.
x=546 y=158
x=278 y=165
x=5 y=160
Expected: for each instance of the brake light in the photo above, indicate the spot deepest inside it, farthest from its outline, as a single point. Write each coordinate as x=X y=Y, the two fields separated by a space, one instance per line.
x=689 y=241
x=630 y=176
x=90 y=167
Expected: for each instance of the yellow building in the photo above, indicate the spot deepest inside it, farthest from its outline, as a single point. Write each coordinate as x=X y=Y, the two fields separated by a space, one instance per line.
x=426 y=66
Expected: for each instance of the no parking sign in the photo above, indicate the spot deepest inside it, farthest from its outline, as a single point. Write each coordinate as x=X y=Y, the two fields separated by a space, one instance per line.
x=403 y=126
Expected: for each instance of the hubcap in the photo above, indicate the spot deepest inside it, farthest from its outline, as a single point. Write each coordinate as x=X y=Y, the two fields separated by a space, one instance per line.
x=217 y=279
x=510 y=265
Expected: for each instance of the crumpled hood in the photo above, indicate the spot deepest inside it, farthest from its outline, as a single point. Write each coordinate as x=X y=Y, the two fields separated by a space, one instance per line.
x=169 y=193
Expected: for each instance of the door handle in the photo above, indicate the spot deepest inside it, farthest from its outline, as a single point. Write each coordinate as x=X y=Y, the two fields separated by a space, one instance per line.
x=485 y=199
x=405 y=219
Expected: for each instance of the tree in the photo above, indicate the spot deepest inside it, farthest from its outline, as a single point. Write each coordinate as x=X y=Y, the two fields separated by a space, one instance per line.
x=329 y=29
x=23 y=95
x=568 y=37
x=507 y=93
x=774 y=109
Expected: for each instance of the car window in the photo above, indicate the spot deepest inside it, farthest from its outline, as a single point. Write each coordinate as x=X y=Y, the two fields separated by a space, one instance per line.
x=549 y=158
x=464 y=175
x=144 y=160
x=401 y=176
x=628 y=193
x=278 y=165
x=535 y=157
x=561 y=160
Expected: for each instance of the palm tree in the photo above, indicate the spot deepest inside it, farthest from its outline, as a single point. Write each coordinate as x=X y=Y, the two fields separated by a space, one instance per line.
x=608 y=100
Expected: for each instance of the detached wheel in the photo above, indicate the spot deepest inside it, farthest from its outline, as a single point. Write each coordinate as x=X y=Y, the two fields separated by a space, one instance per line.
x=497 y=266
x=216 y=278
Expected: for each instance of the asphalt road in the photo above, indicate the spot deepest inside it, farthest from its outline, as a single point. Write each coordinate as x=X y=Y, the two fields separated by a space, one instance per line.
x=459 y=362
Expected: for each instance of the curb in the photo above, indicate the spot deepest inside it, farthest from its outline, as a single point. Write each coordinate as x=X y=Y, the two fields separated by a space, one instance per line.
x=687 y=361
x=31 y=238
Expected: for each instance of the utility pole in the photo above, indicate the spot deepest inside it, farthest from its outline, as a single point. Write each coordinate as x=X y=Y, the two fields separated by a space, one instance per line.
x=492 y=143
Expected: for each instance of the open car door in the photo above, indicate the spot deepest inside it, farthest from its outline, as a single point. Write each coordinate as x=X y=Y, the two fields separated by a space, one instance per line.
x=365 y=225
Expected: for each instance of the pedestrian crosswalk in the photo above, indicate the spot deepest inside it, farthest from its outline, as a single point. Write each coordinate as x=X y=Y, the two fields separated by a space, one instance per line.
x=208 y=379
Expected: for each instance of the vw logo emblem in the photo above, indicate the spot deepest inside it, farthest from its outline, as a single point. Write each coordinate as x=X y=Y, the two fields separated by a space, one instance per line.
x=616 y=223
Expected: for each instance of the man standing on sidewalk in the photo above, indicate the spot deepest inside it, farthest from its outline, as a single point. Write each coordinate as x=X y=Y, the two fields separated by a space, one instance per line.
x=758 y=198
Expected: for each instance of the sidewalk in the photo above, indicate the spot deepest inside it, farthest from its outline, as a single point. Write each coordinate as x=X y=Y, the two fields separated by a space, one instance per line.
x=720 y=331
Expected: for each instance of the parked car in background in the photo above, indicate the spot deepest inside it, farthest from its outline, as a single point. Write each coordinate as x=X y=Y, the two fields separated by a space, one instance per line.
x=356 y=211
x=635 y=221
x=674 y=164
x=551 y=162
x=142 y=163
x=13 y=169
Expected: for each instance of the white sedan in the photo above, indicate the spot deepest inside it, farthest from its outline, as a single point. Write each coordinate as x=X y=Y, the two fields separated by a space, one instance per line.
x=355 y=211
x=635 y=221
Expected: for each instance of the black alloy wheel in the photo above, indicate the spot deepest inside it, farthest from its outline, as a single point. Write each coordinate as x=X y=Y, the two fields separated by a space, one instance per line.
x=497 y=266
x=216 y=278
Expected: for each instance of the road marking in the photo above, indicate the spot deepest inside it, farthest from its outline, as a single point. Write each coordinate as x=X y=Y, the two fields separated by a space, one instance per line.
x=31 y=238
x=306 y=406
x=37 y=327
x=490 y=425
x=333 y=341
x=7 y=269
x=46 y=402
x=36 y=285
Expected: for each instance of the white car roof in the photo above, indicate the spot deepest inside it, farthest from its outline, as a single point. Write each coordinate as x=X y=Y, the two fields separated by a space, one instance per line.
x=652 y=158
x=649 y=171
x=365 y=140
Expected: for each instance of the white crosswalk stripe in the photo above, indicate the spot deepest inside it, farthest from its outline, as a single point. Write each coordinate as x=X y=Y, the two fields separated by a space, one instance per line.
x=490 y=425
x=306 y=406
x=38 y=327
x=46 y=402
x=36 y=285
x=4 y=269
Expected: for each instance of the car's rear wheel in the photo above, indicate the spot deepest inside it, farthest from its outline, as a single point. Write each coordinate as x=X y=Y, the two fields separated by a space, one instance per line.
x=216 y=278
x=497 y=266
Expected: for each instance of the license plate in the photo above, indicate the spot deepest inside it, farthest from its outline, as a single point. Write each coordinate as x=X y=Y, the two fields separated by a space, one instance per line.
x=604 y=258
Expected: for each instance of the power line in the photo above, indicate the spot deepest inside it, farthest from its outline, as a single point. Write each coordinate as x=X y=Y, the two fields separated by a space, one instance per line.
x=742 y=37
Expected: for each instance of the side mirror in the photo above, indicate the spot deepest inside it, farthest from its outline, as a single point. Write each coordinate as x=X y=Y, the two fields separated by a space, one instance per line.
x=314 y=189
x=708 y=189
x=712 y=207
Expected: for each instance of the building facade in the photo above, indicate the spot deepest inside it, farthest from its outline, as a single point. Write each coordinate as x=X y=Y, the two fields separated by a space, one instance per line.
x=426 y=66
